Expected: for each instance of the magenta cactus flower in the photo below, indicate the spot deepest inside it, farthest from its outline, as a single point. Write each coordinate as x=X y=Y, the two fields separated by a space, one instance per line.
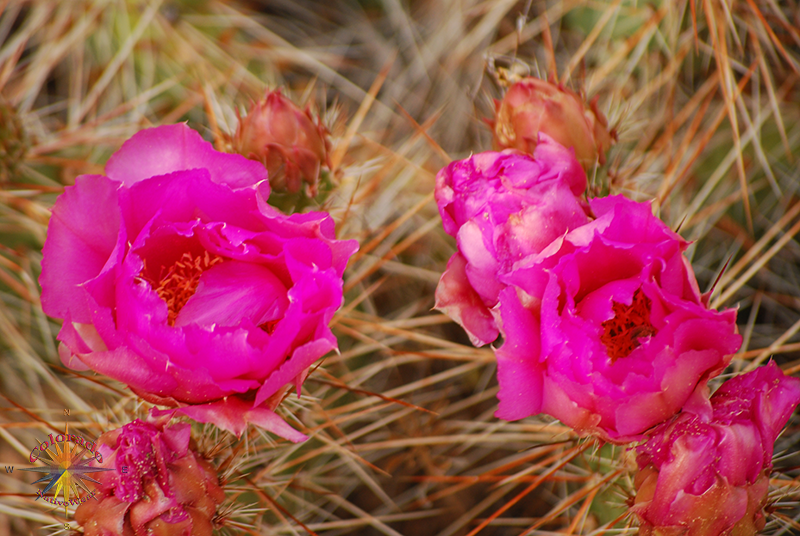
x=606 y=329
x=502 y=207
x=174 y=276
x=159 y=486
x=706 y=472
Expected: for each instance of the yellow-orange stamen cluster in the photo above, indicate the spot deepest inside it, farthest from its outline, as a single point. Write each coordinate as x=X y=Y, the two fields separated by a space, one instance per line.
x=179 y=282
x=621 y=334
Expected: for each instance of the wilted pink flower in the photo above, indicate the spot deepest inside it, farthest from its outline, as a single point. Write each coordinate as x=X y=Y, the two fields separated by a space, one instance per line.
x=606 y=329
x=159 y=486
x=173 y=275
x=532 y=106
x=502 y=207
x=286 y=140
x=706 y=472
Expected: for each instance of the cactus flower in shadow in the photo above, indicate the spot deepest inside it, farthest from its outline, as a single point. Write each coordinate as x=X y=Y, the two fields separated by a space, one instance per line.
x=606 y=329
x=287 y=140
x=502 y=207
x=706 y=472
x=532 y=105
x=160 y=485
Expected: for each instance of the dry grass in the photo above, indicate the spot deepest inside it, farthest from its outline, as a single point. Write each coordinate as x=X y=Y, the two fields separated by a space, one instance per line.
x=704 y=97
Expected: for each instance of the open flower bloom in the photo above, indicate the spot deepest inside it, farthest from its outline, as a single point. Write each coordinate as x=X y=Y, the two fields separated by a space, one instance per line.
x=159 y=485
x=606 y=329
x=174 y=276
x=287 y=140
x=532 y=106
x=706 y=472
x=502 y=207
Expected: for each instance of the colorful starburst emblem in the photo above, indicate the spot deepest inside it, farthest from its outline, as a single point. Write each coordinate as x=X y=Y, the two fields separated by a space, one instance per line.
x=66 y=470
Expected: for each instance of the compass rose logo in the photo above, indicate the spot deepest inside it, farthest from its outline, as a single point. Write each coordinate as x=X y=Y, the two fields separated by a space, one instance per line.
x=67 y=469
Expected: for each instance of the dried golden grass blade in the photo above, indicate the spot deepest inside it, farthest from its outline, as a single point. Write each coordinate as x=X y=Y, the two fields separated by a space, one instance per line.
x=355 y=123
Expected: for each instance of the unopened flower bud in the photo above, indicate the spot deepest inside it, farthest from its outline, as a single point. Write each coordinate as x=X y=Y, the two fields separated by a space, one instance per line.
x=287 y=140
x=532 y=105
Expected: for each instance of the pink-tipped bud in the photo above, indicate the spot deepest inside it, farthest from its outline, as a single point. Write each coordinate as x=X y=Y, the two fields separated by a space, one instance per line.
x=532 y=105
x=160 y=485
x=287 y=140
x=706 y=473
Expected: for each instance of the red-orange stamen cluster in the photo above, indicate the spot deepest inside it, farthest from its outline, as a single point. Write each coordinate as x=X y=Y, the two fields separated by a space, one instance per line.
x=621 y=334
x=179 y=282
x=270 y=326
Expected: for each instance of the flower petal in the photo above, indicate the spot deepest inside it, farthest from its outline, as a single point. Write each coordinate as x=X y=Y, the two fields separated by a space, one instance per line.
x=82 y=237
x=519 y=371
x=126 y=365
x=456 y=298
x=233 y=414
x=302 y=358
x=169 y=148
x=187 y=196
x=232 y=291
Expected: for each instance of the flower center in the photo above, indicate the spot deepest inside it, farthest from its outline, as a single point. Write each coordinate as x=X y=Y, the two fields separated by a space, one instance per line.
x=178 y=283
x=621 y=334
x=138 y=447
x=269 y=326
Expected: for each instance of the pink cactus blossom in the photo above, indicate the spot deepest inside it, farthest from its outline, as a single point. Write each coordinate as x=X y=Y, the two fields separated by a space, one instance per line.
x=706 y=472
x=606 y=329
x=174 y=276
x=160 y=485
x=502 y=207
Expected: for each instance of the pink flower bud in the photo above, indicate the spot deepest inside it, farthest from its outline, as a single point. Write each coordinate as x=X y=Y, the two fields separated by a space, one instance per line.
x=286 y=140
x=706 y=472
x=532 y=105
x=160 y=485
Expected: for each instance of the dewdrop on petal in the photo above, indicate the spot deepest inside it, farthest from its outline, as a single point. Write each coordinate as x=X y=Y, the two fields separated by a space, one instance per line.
x=160 y=486
x=532 y=105
x=287 y=140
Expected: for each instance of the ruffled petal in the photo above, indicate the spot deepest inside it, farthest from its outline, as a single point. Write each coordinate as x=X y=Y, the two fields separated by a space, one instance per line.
x=186 y=196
